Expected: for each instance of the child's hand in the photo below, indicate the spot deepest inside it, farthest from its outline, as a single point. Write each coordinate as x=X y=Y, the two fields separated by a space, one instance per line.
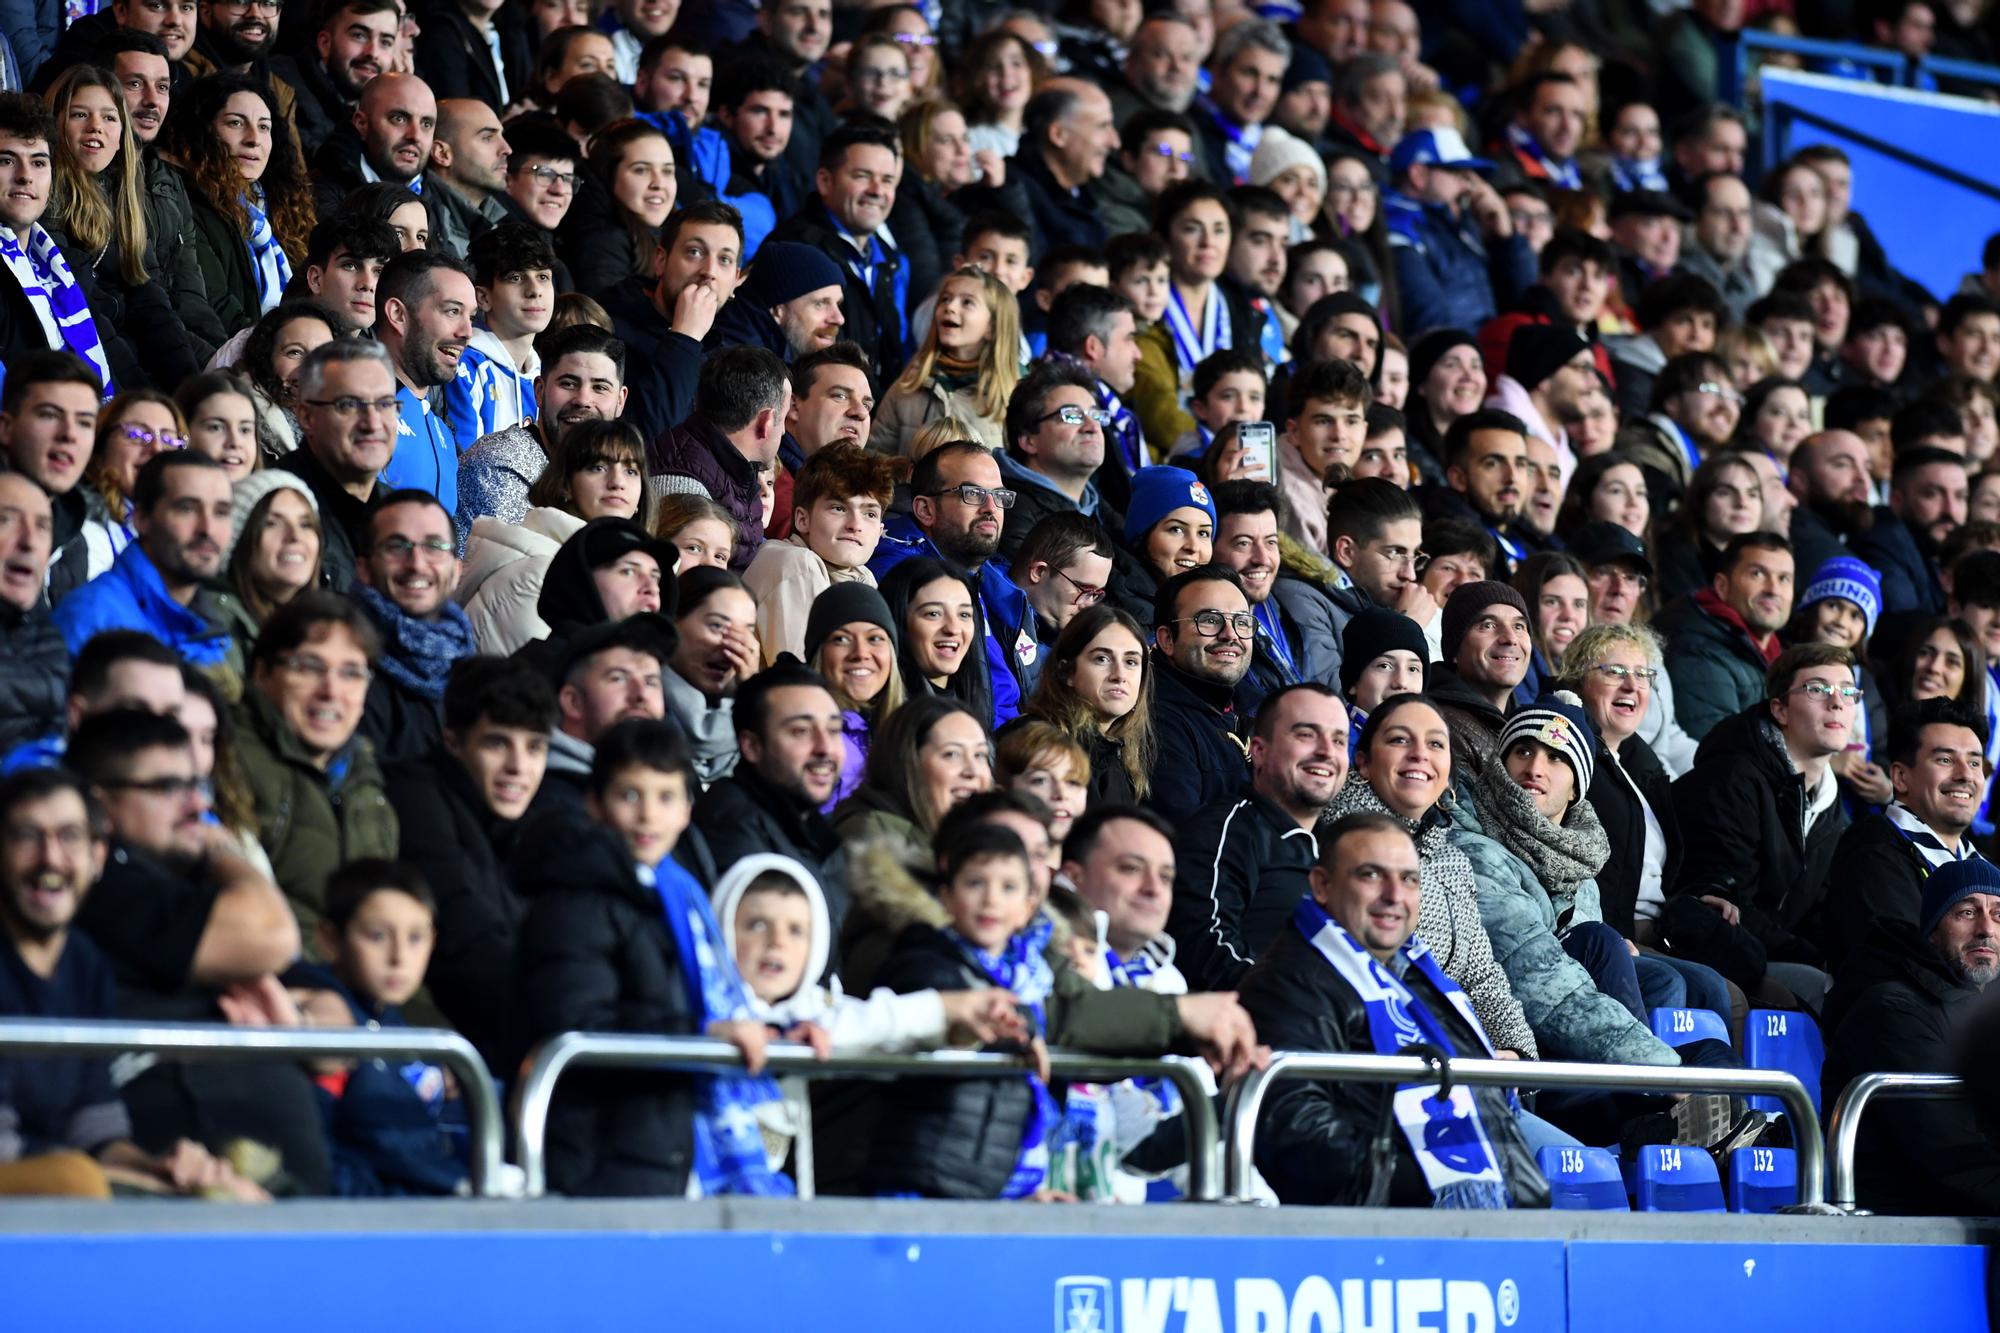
x=982 y=1017
x=746 y=1035
x=813 y=1035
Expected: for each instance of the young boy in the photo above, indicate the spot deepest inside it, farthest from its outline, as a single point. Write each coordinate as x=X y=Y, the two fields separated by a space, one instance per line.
x=619 y=938
x=1385 y=453
x=1229 y=388
x=392 y=1129
x=1137 y=266
x=513 y=277
x=839 y=499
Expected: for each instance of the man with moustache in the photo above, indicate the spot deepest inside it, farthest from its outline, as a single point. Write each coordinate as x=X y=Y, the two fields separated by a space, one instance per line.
x=348 y=409
x=424 y=307
x=180 y=510
x=1722 y=639
x=237 y=37
x=582 y=379
x=789 y=302
x=1829 y=475
x=387 y=138
x=859 y=166
x=355 y=42
x=1486 y=480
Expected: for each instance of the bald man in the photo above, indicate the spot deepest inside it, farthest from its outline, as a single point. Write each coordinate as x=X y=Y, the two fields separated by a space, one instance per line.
x=469 y=169
x=389 y=138
x=1829 y=475
x=34 y=664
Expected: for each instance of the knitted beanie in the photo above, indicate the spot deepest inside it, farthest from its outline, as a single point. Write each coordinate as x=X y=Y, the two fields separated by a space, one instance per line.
x=1538 y=351
x=1373 y=632
x=1557 y=721
x=1953 y=881
x=1846 y=577
x=786 y=270
x=1463 y=607
x=845 y=603
x=1428 y=350
x=1278 y=152
x=245 y=495
x=1157 y=492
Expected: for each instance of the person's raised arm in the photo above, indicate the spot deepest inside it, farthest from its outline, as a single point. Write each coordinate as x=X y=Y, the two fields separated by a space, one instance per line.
x=251 y=931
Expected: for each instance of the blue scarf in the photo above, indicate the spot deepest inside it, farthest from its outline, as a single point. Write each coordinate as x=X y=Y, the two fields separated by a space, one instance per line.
x=1239 y=142
x=1271 y=636
x=45 y=279
x=1445 y=1134
x=1020 y=968
x=267 y=257
x=1632 y=173
x=1124 y=429
x=418 y=654
x=1527 y=146
x=1133 y=972
x=728 y=1149
x=1192 y=346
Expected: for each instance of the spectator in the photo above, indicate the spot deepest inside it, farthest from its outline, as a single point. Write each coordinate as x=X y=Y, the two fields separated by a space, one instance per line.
x=852 y=642
x=541 y=179
x=1549 y=124
x=424 y=322
x=939 y=620
x=1374 y=532
x=833 y=402
x=1228 y=388
x=1062 y=567
x=1486 y=480
x=63 y=1119
x=468 y=158
x=1723 y=639
x=1308 y=993
x=1678 y=314
x=597 y=472
x=347 y=396
x=1055 y=444
x=732 y=436
x=1548 y=369
x=1157 y=152
x=1968 y=336
x=1487 y=642
x=841 y=496
x=605 y=674
x=1725 y=500
x=34 y=661
x=1067 y=137
x=1386 y=451
x=1710 y=138
x=405 y=582
x=318 y=789
x=1877 y=350
x=1830 y=476
x=1453 y=241
x=1765 y=798
x=749 y=164
x=964 y=372
x=1786 y=319
x=389 y=139
x=1913 y=992
x=1646 y=235
x=1098 y=328
x=1202 y=639
x=1447 y=381
x=1382 y=653
x=1291 y=646
x=663 y=321
x=1246 y=856
x=1370 y=98
x=717 y=652
x=1326 y=423
x=513 y=273
x=1036 y=758
x=1927 y=499
x=933 y=753
x=1620 y=574
x=181 y=508
x=1162 y=67
x=1097 y=688
x=789 y=734
x=48 y=411
x=1692 y=413
x=1937 y=764
x=1247 y=70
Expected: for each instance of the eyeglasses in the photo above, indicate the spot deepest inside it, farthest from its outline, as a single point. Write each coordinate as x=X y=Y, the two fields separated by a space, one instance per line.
x=975 y=497
x=1618 y=675
x=317 y=671
x=140 y=435
x=399 y=548
x=268 y=6
x=1622 y=577
x=1086 y=594
x=167 y=786
x=1819 y=689
x=1208 y=624
x=1075 y=416
x=916 y=39
x=1339 y=191
x=881 y=76
x=348 y=405
x=553 y=179
x=1726 y=392
x=1167 y=151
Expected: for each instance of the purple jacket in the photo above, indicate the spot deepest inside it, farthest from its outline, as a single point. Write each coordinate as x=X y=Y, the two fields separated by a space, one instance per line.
x=697 y=450
x=853 y=758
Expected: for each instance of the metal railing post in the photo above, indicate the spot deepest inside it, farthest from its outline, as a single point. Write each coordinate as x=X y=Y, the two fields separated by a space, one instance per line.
x=1843 y=1123
x=222 y=1043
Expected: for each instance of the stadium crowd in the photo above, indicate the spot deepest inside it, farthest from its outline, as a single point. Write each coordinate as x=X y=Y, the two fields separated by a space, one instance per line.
x=1132 y=528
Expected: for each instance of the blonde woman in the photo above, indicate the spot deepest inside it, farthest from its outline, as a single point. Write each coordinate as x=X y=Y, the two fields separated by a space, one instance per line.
x=967 y=369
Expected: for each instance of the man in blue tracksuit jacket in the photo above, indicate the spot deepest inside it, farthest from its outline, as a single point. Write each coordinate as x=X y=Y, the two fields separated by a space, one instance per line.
x=1450 y=236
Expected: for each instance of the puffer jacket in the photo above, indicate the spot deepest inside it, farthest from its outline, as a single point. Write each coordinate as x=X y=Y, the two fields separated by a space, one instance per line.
x=696 y=452
x=34 y=675
x=1449 y=919
x=505 y=565
x=1526 y=919
x=902 y=413
x=311 y=819
x=222 y=256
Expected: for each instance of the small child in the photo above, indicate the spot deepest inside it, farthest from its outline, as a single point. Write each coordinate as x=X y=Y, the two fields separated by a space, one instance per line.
x=1229 y=389
x=392 y=1129
x=973 y=1138
x=1840 y=607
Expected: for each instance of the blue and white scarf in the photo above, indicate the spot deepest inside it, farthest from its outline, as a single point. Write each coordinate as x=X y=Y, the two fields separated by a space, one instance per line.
x=1124 y=429
x=728 y=1148
x=1239 y=142
x=267 y=257
x=1271 y=638
x=45 y=279
x=1191 y=348
x=1526 y=145
x=1133 y=972
x=1445 y=1134
x=1020 y=968
x=1633 y=173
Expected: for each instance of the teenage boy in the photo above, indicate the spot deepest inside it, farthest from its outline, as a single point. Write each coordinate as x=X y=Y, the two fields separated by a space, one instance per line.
x=838 y=502
x=513 y=280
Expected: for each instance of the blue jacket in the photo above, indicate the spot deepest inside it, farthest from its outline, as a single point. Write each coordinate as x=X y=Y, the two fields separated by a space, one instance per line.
x=712 y=161
x=130 y=595
x=1443 y=270
x=1011 y=647
x=426 y=457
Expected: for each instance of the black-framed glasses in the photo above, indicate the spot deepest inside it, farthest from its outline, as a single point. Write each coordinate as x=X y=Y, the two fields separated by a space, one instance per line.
x=1072 y=415
x=399 y=548
x=1819 y=689
x=1086 y=594
x=172 y=785
x=348 y=405
x=552 y=178
x=975 y=497
x=1208 y=624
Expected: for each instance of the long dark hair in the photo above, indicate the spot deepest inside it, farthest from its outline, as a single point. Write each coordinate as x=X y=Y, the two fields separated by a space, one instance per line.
x=1057 y=701
x=972 y=684
x=895 y=757
x=189 y=139
x=1972 y=694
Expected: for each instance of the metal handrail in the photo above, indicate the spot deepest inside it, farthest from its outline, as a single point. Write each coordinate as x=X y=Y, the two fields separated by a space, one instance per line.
x=1843 y=1122
x=223 y=1043
x=702 y=1054
x=1819 y=48
x=1246 y=1100
x=1967 y=71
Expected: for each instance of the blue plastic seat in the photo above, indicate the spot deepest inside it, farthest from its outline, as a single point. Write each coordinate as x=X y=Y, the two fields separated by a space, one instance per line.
x=1787 y=1040
x=1762 y=1180
x=1675 y=1179
x=1583 y=1179
x=1678 y=1027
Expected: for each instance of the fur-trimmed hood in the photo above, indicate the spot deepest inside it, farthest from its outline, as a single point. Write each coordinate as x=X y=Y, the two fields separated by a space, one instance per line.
x=892 y=893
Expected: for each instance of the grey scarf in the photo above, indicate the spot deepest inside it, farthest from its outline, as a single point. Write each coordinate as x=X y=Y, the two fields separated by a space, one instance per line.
x=1561 y=855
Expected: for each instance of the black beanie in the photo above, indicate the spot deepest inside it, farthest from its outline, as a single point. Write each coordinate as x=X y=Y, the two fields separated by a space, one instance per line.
x=1428 y=350
x=1538 y=351
x=1373 y=632
x=1467 y=600
x=845 y=603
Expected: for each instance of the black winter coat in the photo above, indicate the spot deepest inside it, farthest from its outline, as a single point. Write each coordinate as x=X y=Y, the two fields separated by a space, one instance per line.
x=319 y=106
x=400 y=723
x=343 y=520
x=873 y=319
x=453 y=54
x=935 y=1137
x=450 y=834
x=1910 y=1015
x=1749 y=802
x=1910 y=579
x=1618 y=809
x=661 y=366
x=1317 y=1141
x=1201 y=733
x=596 y=956
x=1241 y=866
x=743 y=814
x=223 y=257
x=1877 y=879
x=34 y=676
x=21 y=330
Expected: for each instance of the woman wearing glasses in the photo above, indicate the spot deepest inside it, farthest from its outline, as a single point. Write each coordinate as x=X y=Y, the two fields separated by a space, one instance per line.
x=135 y=425
x=1615 y=669
x=1097 y=688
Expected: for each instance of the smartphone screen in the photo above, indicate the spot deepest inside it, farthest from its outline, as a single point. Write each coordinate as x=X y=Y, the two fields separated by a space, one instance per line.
x=1259 y=441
